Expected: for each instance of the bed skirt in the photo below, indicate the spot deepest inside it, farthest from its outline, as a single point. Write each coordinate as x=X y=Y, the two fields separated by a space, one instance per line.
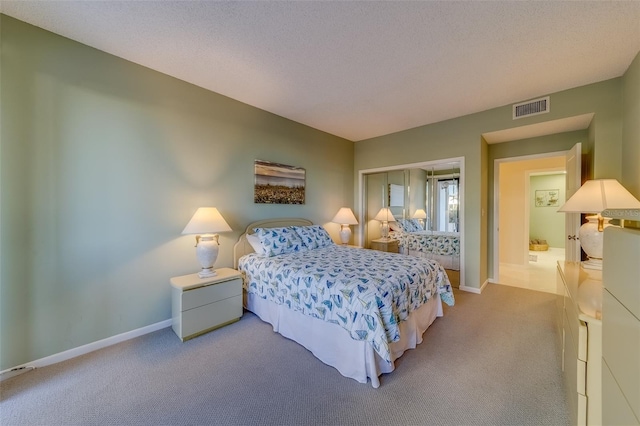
x=333 y=345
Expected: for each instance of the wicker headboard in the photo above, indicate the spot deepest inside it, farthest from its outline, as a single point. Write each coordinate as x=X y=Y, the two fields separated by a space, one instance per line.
x=243 y=247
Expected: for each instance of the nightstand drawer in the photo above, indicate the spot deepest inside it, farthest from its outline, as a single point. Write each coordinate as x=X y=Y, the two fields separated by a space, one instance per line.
x=390 y=246
x=208 y=317
x=212 y=293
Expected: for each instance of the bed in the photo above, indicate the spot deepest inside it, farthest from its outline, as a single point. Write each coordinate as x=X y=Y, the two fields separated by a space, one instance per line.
x=338 y=301
x=443 y=247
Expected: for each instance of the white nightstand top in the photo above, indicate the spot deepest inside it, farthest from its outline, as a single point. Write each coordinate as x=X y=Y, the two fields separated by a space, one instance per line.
x=186 y=282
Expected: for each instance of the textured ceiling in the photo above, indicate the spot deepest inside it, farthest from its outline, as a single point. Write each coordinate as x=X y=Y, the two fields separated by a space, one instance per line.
x=360 y=69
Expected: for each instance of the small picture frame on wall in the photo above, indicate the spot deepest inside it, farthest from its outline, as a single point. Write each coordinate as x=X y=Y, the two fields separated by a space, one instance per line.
x=547 y=198
x=278 y=183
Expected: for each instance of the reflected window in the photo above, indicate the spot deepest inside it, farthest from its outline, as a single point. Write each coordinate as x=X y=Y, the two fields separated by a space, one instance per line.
x=447 y=205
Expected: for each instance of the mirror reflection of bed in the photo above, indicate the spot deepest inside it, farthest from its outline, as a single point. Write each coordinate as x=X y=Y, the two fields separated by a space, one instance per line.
x=426 y=202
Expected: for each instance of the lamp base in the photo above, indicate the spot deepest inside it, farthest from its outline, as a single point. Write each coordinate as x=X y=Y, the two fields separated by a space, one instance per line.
x=345 y=234
x=207 y=253
x=207 y=273
x=591 y=239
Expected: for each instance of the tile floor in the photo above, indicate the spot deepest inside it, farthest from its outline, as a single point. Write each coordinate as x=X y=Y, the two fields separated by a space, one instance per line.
x=539 y=274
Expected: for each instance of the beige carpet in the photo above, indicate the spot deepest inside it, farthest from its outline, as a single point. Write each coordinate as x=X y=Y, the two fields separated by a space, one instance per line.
x=492 y=359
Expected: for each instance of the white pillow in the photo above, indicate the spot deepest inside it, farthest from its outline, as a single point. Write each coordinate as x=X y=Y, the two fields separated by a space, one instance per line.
x=255 y=243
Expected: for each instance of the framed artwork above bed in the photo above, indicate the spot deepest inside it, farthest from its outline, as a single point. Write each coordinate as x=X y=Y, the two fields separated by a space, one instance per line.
x=278 y=183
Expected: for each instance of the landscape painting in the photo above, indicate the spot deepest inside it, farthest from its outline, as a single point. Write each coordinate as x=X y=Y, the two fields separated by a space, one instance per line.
x=278 y=183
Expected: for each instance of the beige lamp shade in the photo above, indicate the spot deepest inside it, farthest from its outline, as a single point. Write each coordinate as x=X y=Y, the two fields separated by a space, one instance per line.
x=345 y=217
x=420 y=214
x=598 y=195
x=206 y=222
x=385 y=215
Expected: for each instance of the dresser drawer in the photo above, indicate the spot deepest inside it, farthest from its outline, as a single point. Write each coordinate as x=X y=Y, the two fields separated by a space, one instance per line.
x=571 y=329
x=622 y=269
x=621 y=346
x=212 y=293
x=615 y=409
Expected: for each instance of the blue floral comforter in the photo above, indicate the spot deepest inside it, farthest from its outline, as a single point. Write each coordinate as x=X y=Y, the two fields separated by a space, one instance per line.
x=366 y=292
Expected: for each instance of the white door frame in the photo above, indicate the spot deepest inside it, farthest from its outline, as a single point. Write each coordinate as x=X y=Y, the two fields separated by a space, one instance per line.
x=496 y=201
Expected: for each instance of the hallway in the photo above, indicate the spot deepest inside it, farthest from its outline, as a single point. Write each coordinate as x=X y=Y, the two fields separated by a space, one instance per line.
x=539 y=274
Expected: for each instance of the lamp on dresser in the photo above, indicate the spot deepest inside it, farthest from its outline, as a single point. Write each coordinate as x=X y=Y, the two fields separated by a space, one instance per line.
x=385 y=216
x=205 y=223
x=345 y=217
x=596 y=196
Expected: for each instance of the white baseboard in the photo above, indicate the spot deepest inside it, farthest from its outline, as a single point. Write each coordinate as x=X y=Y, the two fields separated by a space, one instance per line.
x=475 y=289
x=81 y=350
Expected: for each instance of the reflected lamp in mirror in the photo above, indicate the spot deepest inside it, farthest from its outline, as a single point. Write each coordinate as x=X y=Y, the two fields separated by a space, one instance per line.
x=385 y=216
x=205 y=224
x=595 y=196
x=421 y=215
x=345 y=217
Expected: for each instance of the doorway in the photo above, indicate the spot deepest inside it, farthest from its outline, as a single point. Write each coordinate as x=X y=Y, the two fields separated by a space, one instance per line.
x=530 y=232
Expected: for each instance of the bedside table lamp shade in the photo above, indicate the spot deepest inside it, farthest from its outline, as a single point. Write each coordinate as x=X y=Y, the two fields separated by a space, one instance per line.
x=345 y=217
x=385 y=216
x=421 y=215
x=595 y=196
x=205 y=223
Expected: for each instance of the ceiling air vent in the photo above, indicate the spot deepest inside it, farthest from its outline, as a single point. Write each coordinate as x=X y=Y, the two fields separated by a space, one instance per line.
x=529 y=108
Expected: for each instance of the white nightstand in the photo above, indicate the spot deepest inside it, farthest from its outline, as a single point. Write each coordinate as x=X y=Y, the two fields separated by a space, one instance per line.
x=200 y=305
x=387 y=245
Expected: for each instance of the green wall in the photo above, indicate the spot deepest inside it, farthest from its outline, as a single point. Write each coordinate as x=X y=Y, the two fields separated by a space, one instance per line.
x=462 y=137
x=631 y=128
x=545 y=222
x=102 y=164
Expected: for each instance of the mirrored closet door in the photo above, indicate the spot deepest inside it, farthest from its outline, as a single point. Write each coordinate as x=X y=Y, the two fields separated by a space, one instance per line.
x=423 y=206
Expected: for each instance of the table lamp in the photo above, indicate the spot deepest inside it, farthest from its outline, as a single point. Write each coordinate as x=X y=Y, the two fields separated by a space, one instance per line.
x=421 y=215
x=205 y=223
x=345 y=217
x=385 y=216
x=596 y=196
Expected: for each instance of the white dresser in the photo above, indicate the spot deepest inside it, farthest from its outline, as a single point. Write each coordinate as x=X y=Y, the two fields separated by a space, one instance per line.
x=621 y=327
x=580 y=328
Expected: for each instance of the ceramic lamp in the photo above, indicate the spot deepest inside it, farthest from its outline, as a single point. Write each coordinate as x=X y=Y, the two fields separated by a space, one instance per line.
x=205 y=223
x=345 y=217
x=385 y=216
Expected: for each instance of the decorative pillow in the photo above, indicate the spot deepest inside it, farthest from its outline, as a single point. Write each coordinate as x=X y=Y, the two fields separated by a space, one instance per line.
x=404 y=225
x=314 y=236
x=255 y=243
x=277 y=241
x=417 y=225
